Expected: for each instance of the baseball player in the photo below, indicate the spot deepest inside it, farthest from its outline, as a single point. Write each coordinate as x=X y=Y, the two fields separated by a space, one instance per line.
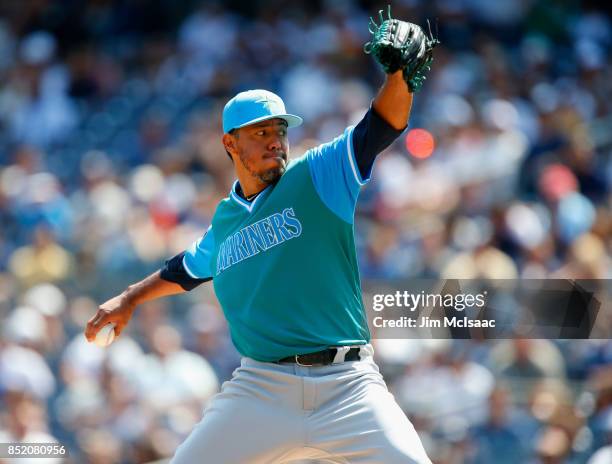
x=281 y=255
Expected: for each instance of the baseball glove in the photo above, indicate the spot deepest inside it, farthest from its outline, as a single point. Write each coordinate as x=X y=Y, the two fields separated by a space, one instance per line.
x=401 y=45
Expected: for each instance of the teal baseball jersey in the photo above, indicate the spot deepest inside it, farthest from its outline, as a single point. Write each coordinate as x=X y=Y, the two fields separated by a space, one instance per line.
x=284 y=266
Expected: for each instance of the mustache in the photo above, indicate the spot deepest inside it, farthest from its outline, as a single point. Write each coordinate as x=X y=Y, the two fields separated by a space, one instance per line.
x=282 y=154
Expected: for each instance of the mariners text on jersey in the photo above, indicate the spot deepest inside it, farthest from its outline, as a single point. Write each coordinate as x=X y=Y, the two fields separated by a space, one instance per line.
x=258 y=237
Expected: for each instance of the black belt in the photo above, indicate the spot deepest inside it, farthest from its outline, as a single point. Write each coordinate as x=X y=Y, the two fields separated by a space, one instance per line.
x=320 y=358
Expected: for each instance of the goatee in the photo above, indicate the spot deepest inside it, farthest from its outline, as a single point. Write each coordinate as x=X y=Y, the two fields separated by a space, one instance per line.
x=269 y=176
x=272 y=175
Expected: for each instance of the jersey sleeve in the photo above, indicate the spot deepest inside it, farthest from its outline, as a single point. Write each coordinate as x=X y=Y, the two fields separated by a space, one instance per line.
x=336 y=176
x=370 y=137
x=197 y=259
x=174 y=271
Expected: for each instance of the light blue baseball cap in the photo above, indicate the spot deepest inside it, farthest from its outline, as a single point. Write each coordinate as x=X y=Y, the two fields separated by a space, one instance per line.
x=254 y=106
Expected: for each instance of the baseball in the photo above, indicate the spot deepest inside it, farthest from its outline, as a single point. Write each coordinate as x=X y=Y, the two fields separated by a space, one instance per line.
x=105 y=336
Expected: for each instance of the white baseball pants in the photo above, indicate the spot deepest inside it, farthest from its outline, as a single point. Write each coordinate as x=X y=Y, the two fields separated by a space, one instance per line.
x=284 y=413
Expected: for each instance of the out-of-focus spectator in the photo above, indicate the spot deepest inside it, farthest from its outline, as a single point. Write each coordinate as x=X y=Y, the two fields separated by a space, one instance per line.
x=170 y=374
x=430 y=388
x=553 y=446
x=526 y=358
x=505 y=436
x=602 y=456
x=601 y=418
x=35 y=105
x=25 y=419
x=44 y=260
x=211 y=340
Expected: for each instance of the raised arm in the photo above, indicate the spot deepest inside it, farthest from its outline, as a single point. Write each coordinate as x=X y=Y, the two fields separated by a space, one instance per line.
x=394 y=101
x=404 y=52
x=383 y=123
x=119 y=309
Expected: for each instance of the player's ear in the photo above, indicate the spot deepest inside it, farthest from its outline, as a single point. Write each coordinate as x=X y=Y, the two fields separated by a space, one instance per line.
x=229 y=142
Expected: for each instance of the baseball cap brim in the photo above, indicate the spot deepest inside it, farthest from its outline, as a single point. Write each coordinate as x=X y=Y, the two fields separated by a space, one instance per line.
x=292 y=120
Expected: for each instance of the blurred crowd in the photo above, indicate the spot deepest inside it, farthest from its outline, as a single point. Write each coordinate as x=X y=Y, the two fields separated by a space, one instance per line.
x=111 y=162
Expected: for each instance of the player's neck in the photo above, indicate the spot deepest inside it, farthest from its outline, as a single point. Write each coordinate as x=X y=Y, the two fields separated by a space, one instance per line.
x=242 y=195
x=250 y=186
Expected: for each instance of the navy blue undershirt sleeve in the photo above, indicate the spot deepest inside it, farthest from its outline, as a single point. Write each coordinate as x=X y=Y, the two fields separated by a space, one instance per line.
x=174 y=271
x=370 y=137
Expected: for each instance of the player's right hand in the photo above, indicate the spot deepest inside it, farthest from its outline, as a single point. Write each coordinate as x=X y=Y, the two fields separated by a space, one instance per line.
x=118 y=310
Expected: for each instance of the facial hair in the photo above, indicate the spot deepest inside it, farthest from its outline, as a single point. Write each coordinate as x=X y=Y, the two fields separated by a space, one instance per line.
x=269 y=176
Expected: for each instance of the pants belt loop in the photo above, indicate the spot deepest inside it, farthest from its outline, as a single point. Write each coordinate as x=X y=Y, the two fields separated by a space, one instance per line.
x=340 y=354
x=365 y=351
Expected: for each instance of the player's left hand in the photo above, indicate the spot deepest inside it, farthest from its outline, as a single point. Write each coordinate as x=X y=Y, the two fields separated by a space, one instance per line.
x=401 y=45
